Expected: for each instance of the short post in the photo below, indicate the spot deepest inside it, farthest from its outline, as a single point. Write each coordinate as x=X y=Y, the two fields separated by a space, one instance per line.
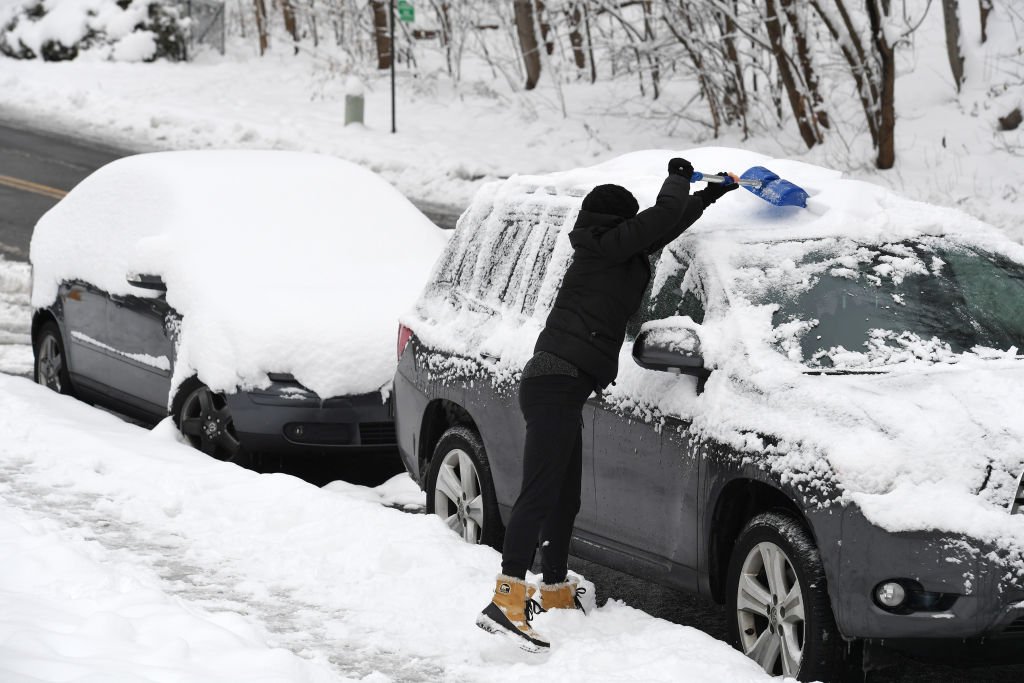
x=354 y=100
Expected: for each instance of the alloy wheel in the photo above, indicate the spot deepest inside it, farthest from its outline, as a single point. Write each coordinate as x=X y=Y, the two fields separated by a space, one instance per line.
x=457 y=496
x=50 y=364
x=770 y=610
x=206 y=423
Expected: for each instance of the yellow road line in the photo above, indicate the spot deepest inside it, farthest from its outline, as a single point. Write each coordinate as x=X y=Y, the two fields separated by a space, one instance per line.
x=29 y=186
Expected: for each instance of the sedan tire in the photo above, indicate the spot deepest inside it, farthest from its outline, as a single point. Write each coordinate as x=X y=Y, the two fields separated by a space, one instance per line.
x=51 y=363
x=204 y=419
x=460 y=490
x=778 y=605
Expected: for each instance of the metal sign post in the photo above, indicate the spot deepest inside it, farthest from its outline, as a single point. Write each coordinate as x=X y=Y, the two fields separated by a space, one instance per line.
x=406 y=14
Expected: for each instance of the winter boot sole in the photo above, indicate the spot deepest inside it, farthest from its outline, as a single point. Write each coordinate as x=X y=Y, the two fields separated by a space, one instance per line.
x=493 y=620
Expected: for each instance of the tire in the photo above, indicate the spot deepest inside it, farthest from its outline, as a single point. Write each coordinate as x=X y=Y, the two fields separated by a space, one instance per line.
x=51 y=363
x=782 y=618
x=460 y=490
x=204 y=419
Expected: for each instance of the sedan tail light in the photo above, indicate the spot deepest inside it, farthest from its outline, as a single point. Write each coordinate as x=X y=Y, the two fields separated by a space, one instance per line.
x=404 y=335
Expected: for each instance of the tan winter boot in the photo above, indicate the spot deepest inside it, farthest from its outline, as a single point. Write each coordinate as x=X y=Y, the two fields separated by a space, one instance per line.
x=563 y=595
x=510 y=612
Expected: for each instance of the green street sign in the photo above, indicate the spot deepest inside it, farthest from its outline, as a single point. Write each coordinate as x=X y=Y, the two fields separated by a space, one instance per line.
x=406 y=12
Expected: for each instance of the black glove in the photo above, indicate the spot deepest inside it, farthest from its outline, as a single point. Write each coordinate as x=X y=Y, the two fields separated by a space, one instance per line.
x=710 y=194
x=681 y=167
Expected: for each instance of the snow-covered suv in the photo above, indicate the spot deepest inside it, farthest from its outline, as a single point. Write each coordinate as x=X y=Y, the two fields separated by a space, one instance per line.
x=816 y=419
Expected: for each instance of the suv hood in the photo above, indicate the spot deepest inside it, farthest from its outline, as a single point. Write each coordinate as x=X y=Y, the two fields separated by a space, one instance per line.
x=936 y=447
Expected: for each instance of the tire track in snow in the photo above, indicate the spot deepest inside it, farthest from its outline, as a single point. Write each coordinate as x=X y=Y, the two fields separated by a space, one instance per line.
x=289 y=623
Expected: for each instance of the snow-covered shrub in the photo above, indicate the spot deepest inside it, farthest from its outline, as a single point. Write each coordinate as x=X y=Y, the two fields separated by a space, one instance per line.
x=121 y=30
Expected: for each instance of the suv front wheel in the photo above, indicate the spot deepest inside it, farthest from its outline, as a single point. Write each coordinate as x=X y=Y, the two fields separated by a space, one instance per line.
x=460 y=490
x=778 y=606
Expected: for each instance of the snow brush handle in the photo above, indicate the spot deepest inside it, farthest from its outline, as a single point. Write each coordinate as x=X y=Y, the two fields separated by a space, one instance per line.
x=720 y=179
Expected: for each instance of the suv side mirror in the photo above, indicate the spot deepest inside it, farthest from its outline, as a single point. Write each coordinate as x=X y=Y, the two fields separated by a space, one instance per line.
x=143 y=281
x=675 y=350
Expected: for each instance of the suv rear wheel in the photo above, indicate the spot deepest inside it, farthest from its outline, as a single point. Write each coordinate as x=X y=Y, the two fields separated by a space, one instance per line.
x=778 y=606
x=460 y=490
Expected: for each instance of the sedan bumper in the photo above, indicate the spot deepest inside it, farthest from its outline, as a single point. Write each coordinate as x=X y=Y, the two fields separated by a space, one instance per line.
x=286 y=417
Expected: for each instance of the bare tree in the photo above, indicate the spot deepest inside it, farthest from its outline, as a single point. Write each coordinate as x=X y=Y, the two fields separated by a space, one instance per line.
x=951 y=16
x=381 y=36
x=528 y=46
x=885 y=54
x=290 y=25
x=984 y=9
x=261 y=25
x=799 y=104
x=574 y=17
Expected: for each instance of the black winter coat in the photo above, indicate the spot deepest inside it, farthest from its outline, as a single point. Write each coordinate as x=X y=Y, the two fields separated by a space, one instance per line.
x=606 y=280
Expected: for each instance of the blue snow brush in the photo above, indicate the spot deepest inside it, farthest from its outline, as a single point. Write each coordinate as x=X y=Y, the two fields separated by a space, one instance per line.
x=764 y=184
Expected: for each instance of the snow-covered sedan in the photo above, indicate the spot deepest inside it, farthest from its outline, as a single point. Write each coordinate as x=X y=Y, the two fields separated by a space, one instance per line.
x=252 y=296
x=816 y=420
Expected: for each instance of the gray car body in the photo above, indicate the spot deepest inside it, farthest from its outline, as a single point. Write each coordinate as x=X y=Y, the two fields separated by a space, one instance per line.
x=656 y=502
x=120 y=353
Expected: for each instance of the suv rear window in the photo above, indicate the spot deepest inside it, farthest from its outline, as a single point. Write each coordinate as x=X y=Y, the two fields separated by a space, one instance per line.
x=500 y=254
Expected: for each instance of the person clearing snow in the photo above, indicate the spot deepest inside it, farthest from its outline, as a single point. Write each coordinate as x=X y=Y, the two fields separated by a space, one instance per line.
x=576 y=354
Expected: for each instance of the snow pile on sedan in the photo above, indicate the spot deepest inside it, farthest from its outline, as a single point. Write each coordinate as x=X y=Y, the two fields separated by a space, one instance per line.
x=277 y=262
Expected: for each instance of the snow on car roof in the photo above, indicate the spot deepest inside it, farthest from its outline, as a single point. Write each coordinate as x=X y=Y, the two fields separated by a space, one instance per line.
x=277 y=261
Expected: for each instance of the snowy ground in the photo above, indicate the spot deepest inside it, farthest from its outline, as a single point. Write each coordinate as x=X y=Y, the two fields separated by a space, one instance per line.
x=129 y=556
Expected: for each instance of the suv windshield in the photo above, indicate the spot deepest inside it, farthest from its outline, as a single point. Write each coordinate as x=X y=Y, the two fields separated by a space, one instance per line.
x=913 y=301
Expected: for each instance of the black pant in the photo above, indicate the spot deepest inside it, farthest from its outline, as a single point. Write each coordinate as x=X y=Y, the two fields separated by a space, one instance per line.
x=552 y=468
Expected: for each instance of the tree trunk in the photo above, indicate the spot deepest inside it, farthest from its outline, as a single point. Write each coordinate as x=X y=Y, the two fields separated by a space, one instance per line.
x=853 y=51
x=887 y=102
x=288 y=12
x=545 y=27
x=527 y=41
x=590 y=45
x=261 y=25
x=574 y=17
x=796 y=99
x=736 y=91
x=380 y=33
x=803 y=53
x=951 y=14
x=984 y=9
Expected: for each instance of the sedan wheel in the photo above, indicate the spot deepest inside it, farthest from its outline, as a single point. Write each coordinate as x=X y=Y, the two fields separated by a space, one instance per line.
x=460 y=490
x=779 y=608
x=205 y=420
x=51 y=368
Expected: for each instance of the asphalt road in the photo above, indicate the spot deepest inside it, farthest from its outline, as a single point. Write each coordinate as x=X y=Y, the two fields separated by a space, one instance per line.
x=37 y=168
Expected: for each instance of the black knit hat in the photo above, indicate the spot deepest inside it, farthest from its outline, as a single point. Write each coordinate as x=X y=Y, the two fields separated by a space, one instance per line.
x=611 y=199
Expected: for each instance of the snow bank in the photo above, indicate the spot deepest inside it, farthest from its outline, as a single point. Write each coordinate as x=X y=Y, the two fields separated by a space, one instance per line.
x=938 y=421
x=277 y=261
x=15 y=318
x=367 y=590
